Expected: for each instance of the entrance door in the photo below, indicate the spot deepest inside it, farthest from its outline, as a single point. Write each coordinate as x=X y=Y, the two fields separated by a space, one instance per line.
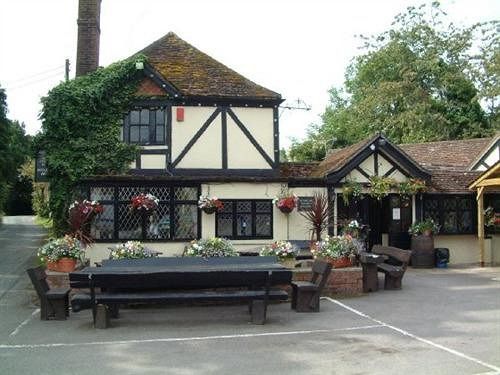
x=399 y=221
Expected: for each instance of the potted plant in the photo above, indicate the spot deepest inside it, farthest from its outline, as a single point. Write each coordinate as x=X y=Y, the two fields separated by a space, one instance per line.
x=380 y=187
x=61 y=254
x=283 y=250
x=422 y=242
x=80 y=216
x=317 y=216
x=212 y=247
x=286 y=201
x=144 y=203
x=131 y=250
x=210 y=205
x=351 y=189
x=426 y=227
x=338 y=250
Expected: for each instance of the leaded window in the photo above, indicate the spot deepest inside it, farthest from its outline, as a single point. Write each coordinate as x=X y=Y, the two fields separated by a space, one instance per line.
x=145 y=126
x=455 y=214
x=245 y=219
x=176 y=217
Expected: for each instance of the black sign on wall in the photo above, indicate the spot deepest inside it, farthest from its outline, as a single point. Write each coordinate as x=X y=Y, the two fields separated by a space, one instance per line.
x=40 y=168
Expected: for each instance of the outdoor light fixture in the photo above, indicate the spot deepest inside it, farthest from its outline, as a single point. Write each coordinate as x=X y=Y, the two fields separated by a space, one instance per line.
x=372 y=147
x=139 y=65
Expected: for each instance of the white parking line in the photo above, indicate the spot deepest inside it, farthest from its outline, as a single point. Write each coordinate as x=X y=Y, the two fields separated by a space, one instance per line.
x=16 y=331
x=180 y=339
x=406 y=333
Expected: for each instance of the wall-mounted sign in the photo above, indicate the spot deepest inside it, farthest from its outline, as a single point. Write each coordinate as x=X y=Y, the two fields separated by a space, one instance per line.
x=396 y=213
x=305 y=203
x=40 y=168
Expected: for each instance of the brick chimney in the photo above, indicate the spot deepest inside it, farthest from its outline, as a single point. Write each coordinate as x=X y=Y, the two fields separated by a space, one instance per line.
x=89 y=32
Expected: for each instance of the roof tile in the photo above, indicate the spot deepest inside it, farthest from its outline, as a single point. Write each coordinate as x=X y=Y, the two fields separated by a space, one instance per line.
x=194 y=73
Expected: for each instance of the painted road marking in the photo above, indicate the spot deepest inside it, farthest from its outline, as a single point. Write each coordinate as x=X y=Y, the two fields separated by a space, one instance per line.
x=180 y=339
x=16 y=331
x=406 y=333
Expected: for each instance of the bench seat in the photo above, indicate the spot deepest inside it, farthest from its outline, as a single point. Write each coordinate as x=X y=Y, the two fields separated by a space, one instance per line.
x=394 y=266
x=84 y=300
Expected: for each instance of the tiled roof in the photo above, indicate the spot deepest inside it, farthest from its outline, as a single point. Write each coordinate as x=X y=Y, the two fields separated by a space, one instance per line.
x=194 y=73
x=297 y=170
x=455 y=155
x=451 y=181
x=338 y=158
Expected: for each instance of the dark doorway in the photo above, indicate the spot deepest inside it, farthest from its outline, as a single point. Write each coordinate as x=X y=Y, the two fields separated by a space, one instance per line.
x=391 y=215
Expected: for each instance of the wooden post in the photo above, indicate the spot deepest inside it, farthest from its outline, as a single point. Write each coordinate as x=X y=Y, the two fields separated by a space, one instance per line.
x=480 y=224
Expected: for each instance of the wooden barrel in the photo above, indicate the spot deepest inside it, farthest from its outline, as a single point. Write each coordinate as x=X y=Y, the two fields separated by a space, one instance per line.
x=422 y=244
x=422 y=248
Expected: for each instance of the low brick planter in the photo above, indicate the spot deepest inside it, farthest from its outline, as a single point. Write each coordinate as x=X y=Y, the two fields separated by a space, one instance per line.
x=344 y=282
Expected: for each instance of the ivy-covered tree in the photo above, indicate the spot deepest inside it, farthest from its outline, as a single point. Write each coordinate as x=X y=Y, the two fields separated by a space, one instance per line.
x=422 y=80
x=81 y=122
x=14 y=149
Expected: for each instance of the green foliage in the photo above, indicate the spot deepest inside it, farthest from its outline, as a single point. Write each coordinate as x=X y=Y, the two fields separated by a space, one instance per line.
x=40 y=200
x=351 y=189
x=380 y=187
x=14 y=149
x=81 y=121
x=423 y=80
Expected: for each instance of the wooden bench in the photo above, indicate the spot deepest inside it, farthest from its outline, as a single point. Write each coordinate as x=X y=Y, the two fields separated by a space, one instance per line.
x=54 y=303
x=306 y=294
x=166 y=287
x=394 y=266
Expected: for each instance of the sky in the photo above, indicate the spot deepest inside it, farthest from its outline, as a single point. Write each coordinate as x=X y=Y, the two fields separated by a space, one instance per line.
x=298 y=48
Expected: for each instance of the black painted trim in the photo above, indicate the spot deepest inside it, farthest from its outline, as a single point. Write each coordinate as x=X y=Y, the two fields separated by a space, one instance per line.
x=168 y=133
x=276 y=136
x=197 y=136
x=390 y=171
x=161 y=151
x=224 y=137
x=157 y=78
x=388 y=151
x=209 y=101
x=225 y=172
x=362 y=171
x=375 y=163
x=251 y=138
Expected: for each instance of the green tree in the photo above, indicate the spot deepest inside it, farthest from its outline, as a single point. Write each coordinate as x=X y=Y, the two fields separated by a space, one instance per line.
x=423 y=80
x=14 y=149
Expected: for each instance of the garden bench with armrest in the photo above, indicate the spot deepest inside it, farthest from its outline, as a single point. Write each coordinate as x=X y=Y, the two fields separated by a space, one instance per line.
x=156 y=286
x=54 y=303
x=394 y=266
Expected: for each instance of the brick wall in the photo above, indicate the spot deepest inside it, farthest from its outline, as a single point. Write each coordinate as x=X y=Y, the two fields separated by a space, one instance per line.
x=89 y=32
x=342 y=281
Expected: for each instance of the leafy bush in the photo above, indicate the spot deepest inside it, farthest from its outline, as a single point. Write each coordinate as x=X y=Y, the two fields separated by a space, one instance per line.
x=40 y=200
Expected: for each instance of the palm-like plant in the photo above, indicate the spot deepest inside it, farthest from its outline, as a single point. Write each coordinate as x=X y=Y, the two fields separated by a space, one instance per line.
x=317 y=216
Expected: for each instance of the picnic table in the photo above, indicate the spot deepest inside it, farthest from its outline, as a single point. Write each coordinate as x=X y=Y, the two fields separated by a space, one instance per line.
x=172 y=280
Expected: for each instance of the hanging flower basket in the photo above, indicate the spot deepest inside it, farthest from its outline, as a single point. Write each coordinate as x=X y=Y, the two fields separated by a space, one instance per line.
x=210 y=205
x=285 y=210
x=209 y=210
x=144 y=204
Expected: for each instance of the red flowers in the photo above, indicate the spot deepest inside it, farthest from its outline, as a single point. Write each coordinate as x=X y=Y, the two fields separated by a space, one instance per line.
x=80 y=217
x=144 y=202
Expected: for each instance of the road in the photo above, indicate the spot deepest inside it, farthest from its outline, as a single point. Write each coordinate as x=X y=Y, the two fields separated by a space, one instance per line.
x=19 y=240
